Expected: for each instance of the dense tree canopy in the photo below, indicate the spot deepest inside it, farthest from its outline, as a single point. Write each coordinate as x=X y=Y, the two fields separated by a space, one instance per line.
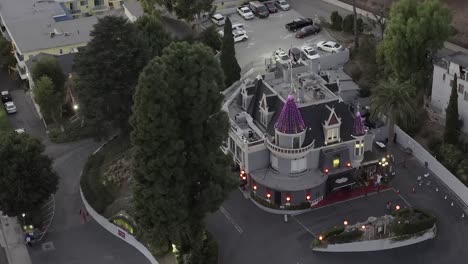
x=26 y=176
x=50 y=67
x=185 y=9
x=415 y=31
x=6 y=54
x=211 y=38
x=228 y=59
x=108 y=70
x=178 y=126
x=394 y=99
x=48 y=99
x=451 y=133
x=153 y=35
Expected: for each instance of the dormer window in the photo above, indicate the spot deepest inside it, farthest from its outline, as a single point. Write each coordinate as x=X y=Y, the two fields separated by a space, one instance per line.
x=263 y=108
x=331 y=127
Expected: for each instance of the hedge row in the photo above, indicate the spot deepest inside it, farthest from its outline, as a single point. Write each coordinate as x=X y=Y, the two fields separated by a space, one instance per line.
x=411 y=221
x=345 y=237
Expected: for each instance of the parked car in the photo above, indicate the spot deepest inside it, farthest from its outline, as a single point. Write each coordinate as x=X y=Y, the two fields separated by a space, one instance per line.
x=309 y=53
x=245 y=12
x=307 y=31
x=259 y=9
x=281 y=56
x=299 y=23
x=271 y=7
x=240 y=36
x=20 y=130
x=282 y=5
x=6 y=97
x=10 y=107
x=235 y=27
x=295 y=54
x=329 y=46
x=218 y=19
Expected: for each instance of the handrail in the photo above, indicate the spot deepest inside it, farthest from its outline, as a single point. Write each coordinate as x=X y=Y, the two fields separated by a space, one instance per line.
x=281 y=150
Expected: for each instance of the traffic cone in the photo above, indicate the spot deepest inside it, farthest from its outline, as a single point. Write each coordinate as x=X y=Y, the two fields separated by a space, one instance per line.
x=463 y=215
x=451 y=204
x=445 y=197
x=398 y=191
x=413 y=190
x=437 y=189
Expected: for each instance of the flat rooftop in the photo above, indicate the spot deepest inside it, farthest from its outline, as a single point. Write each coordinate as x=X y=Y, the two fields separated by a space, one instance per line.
x=30 y=23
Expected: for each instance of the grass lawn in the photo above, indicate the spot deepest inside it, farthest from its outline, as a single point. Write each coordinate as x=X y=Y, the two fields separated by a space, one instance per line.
x=4 y=123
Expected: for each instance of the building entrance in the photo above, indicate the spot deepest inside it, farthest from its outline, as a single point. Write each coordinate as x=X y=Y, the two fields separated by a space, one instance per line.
x=277 y=197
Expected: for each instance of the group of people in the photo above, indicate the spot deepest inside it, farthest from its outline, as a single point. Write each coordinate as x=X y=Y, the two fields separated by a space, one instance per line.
x=29 y=239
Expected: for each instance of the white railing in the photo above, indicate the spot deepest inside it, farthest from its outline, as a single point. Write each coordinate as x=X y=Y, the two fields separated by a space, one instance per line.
x=286 y=152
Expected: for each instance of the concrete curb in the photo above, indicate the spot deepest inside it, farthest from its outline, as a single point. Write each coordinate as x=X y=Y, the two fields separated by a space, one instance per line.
x=380 y=244
x=277 y=211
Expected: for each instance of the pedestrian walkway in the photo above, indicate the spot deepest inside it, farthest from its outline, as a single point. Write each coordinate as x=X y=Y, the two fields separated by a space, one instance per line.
x=12 y=240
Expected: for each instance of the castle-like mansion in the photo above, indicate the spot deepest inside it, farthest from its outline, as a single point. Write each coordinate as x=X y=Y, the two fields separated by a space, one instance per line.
x=295 y=139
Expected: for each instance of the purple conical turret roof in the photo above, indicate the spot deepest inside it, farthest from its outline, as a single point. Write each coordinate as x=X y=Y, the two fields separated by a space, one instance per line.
x=359 y=129
x=290 y=120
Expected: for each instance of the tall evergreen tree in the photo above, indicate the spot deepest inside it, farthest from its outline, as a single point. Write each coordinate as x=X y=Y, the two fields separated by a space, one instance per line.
x=451 y=116
x=178 y=126
x=50 y=67
x=153 y=35
x=48 y=99
x=108 y=70
x=26 y=176
x=228 y=59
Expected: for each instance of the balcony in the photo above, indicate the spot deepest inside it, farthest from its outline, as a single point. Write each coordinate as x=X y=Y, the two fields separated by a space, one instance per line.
x=75 y=11
x=289 y=153
x=99 y=8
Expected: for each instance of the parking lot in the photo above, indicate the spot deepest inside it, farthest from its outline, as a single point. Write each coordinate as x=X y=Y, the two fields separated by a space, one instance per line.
x=267 y=35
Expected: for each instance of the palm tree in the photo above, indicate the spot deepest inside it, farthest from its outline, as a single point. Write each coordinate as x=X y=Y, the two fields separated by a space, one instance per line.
x=395 y=100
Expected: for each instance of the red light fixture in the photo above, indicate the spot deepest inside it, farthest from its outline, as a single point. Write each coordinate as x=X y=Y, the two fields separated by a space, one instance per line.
x=242 y=171
x=255 y=187
x=348 y=164
x=288 y=199
x=397 y=207
x=268 y=195
x=244 y=178
x=326 y=170
x=308 y=197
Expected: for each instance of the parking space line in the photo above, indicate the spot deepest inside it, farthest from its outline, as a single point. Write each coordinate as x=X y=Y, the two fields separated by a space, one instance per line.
x=228 y=216
x=303 y=226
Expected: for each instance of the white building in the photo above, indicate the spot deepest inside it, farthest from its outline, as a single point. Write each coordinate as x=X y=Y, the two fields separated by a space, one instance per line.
x=446 y=66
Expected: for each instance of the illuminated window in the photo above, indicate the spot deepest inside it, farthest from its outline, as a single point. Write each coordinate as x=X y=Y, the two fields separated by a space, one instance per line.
x=336 y=162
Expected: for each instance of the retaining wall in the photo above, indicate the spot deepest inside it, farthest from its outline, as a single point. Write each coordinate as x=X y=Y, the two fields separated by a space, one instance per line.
x=442 y=173
x=117 y=231
x=380 y=244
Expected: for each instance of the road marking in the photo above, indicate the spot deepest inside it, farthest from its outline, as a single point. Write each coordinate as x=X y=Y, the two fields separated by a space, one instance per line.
x=287 y=36
x=228 y=216
x=355 y=198
x=401 y=197
x=303 y=226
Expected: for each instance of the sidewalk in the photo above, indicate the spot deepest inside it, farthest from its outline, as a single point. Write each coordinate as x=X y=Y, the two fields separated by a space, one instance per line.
x=11 y=238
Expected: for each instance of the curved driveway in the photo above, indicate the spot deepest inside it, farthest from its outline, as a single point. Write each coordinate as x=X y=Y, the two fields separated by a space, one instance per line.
x=73 y=241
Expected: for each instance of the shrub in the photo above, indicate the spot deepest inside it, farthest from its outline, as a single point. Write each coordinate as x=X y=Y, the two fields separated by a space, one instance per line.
x=355 y=72
x=450 y=156
x=336 y=21
x=434 y=145
x=348 y=24
x=345 y=237
x=411 y=221
x=333 y=232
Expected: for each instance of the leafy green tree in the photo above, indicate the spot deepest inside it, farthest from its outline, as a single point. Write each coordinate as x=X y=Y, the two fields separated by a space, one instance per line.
x=6 y=54
x=336 y=21
x=26 y=176
x=451 y=156
x=348 y=24
x=211 y=38
x=415 y=31
x=228 y=59
x=394 y=99
x=108 y=70
x=48 y=99
x=50 y=67
x=452 y=120
x=180 y=173
x=153 y=35
x=185 y=9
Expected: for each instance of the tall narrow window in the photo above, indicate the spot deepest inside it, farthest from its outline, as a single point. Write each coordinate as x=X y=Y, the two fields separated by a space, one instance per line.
x=296 y=142
x=357 y=148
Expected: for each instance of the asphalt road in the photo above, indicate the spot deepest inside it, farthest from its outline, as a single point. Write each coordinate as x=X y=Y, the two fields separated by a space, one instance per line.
x=72 y=241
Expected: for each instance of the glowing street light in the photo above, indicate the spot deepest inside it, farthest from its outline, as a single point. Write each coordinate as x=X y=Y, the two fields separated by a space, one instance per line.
x=320 y=238
x=345 y=222
x=75 y=107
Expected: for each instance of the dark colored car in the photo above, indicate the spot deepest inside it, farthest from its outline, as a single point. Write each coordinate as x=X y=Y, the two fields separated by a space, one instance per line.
x=299 y=23
x=307 y=31
x=271 y=7
x=259 y=9
x=6 y=97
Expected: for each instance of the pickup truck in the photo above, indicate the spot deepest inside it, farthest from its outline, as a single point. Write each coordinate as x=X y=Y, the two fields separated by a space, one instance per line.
x=299 y=23
x=245 y=12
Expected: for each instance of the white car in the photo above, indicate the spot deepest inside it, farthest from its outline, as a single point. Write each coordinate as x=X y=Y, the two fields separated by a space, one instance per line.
x=281 y=56
x=218 y=19
x=10 y=107
x=329 y=46
x=20 y=130
x=282 y=4
x=309 y=53
x=235 y=27
x=245 y=12
x=240 y=36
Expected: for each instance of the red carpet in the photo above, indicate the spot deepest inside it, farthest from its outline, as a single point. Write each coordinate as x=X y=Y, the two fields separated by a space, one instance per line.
x=343 y=195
